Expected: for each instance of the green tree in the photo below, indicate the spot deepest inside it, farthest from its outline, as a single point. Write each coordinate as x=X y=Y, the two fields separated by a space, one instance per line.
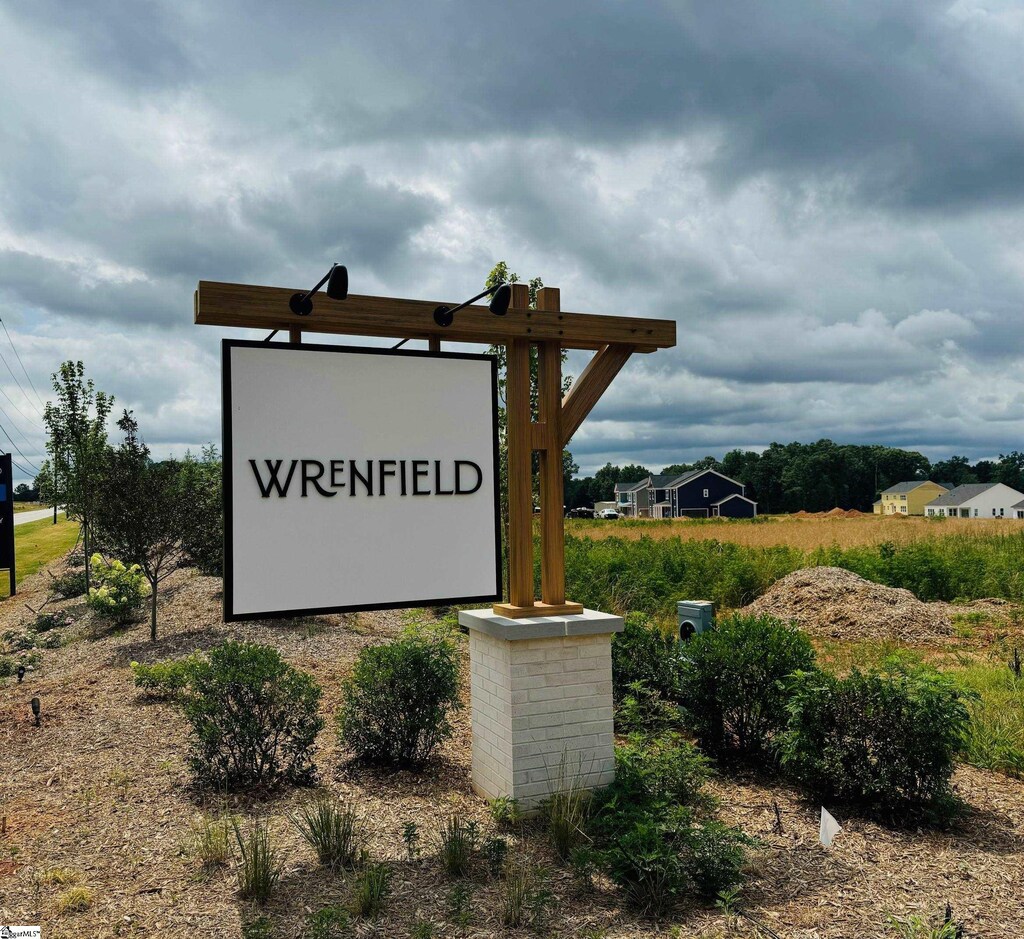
x=140 y=510
x=1010 y=470
x=202 y=533
x=76 y=428
x=956 y=470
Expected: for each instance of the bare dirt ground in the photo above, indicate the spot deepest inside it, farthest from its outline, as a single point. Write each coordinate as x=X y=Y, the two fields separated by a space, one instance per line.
x=101 y=788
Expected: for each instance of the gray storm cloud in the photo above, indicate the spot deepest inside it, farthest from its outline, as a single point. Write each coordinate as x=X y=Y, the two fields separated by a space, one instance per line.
x=826 y=197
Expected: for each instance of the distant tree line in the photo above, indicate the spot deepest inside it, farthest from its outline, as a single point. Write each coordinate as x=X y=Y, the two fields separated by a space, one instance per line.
x=813 y=476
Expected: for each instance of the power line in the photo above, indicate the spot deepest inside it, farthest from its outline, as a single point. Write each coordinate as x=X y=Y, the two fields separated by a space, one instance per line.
x=16 y=447
x=18 y=383
x=22 y=364
x=23 y=470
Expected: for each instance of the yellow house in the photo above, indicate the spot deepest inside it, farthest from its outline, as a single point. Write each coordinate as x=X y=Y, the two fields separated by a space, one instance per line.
x=910 y=498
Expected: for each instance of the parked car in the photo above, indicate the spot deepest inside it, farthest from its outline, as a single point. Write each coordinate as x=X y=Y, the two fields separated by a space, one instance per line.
x=581 y=511
x=609 y=513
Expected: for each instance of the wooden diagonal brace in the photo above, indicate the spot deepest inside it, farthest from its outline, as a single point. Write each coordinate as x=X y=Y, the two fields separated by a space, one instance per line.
x=588 y=388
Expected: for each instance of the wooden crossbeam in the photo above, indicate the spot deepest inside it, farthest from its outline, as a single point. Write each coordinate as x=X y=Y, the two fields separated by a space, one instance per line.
x=266 y=308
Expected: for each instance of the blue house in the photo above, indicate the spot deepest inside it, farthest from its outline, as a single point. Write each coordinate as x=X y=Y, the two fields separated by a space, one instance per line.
x=708 y=494
x=696 y=494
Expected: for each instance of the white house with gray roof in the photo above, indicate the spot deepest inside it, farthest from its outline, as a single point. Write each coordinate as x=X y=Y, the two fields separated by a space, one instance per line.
x=978 y=500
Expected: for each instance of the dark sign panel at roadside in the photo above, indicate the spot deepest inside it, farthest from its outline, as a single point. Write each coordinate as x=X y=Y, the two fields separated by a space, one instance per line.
x=7 y=518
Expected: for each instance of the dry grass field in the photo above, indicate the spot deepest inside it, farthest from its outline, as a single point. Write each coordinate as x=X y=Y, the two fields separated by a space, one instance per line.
x=803 y=533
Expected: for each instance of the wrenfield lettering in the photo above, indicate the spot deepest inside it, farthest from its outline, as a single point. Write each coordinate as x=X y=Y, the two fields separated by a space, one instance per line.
x=377 y=478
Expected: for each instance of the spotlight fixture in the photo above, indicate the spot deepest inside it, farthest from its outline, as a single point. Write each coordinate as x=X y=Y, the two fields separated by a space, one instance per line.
x=35 y=710
x=21 y=674
x=502 y=297
x=337 y=289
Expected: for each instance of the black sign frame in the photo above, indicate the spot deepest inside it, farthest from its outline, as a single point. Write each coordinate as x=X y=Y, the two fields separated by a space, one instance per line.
x=230 y=616
x=7 y=558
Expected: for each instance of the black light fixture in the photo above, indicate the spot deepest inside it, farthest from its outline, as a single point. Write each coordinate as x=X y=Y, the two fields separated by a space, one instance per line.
x=502 y=297
x=35 y=710
x=337 y=289
x=21 y=673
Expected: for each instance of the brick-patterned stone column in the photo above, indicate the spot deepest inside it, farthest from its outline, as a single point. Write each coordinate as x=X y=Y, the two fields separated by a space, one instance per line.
x=541 y=695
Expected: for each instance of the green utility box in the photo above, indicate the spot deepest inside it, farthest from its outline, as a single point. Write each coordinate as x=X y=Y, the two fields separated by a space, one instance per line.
x=695 y=617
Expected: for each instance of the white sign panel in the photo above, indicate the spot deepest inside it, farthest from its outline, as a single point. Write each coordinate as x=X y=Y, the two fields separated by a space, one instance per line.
x=357 y=479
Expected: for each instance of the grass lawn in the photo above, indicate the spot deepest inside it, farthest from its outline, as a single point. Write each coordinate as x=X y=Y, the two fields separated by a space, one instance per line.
x=38 y=543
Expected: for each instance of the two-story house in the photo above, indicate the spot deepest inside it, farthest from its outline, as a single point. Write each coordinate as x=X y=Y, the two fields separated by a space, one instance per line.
x=910 y=498
x=709 y=494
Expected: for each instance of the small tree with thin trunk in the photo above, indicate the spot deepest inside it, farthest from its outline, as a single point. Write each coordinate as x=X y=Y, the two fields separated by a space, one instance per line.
x=140 y=510
x=76 y=428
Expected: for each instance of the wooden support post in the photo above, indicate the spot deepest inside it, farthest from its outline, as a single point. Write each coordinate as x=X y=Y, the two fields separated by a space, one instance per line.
x=434 y=343
x=545 y=436
x=294 y=335
x=520 y=468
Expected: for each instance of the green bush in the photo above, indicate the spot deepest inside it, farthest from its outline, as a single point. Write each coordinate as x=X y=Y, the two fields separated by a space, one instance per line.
x=649 y=828
x=735 y=683
x=118 y=592
x=398 y=701
x=46 y=621
x=644 y=710
x=885 y=740
x=202 y=529
x=167 y=679
x=665 y=770
x=642 y=653
x=69 y=584
x=714 y=857
x=254 y=718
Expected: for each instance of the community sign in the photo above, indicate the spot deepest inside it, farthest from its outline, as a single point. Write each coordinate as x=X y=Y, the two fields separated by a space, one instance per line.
x=357 y=478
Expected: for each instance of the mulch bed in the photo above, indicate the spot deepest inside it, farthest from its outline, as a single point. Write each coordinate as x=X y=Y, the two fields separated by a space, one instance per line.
x=102 y=788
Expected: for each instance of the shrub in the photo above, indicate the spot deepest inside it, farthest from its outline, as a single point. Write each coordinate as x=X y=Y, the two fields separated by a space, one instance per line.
x=254 y=718
x=714 y=857
x=457 y=844
x=736 y=681
x=330 y=828
x=202 y=529
x=647 y=833
x=505 y=812
x=644 y=710
x=259 y=869
x=646 y=864
x=398 y=700
x=885 y=740
x=642 y=653
x=69 y=584
x=495 y=850
x=665 y=770
x=167 y=679
x=46 y=621
x=371 y=890
x=332 y=922
x=118 y=592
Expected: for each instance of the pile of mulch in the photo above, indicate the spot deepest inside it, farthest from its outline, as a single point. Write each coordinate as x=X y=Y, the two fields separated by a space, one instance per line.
x=830 y=601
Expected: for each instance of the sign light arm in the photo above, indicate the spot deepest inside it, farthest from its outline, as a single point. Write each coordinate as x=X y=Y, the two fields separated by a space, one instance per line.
x=502 y=296
x=336 y=278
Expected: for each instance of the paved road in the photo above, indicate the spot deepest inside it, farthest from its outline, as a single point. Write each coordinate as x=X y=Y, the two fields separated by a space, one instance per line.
x=20 y=518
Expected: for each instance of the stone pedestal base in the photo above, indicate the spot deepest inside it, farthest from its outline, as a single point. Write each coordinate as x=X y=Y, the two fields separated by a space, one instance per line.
x=541 y=702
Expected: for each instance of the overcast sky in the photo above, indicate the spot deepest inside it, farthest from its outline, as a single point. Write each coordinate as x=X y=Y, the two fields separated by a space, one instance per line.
x=825 y=197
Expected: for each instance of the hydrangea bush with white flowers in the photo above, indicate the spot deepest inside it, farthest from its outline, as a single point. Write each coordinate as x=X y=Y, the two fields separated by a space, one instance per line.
x=119 y=590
